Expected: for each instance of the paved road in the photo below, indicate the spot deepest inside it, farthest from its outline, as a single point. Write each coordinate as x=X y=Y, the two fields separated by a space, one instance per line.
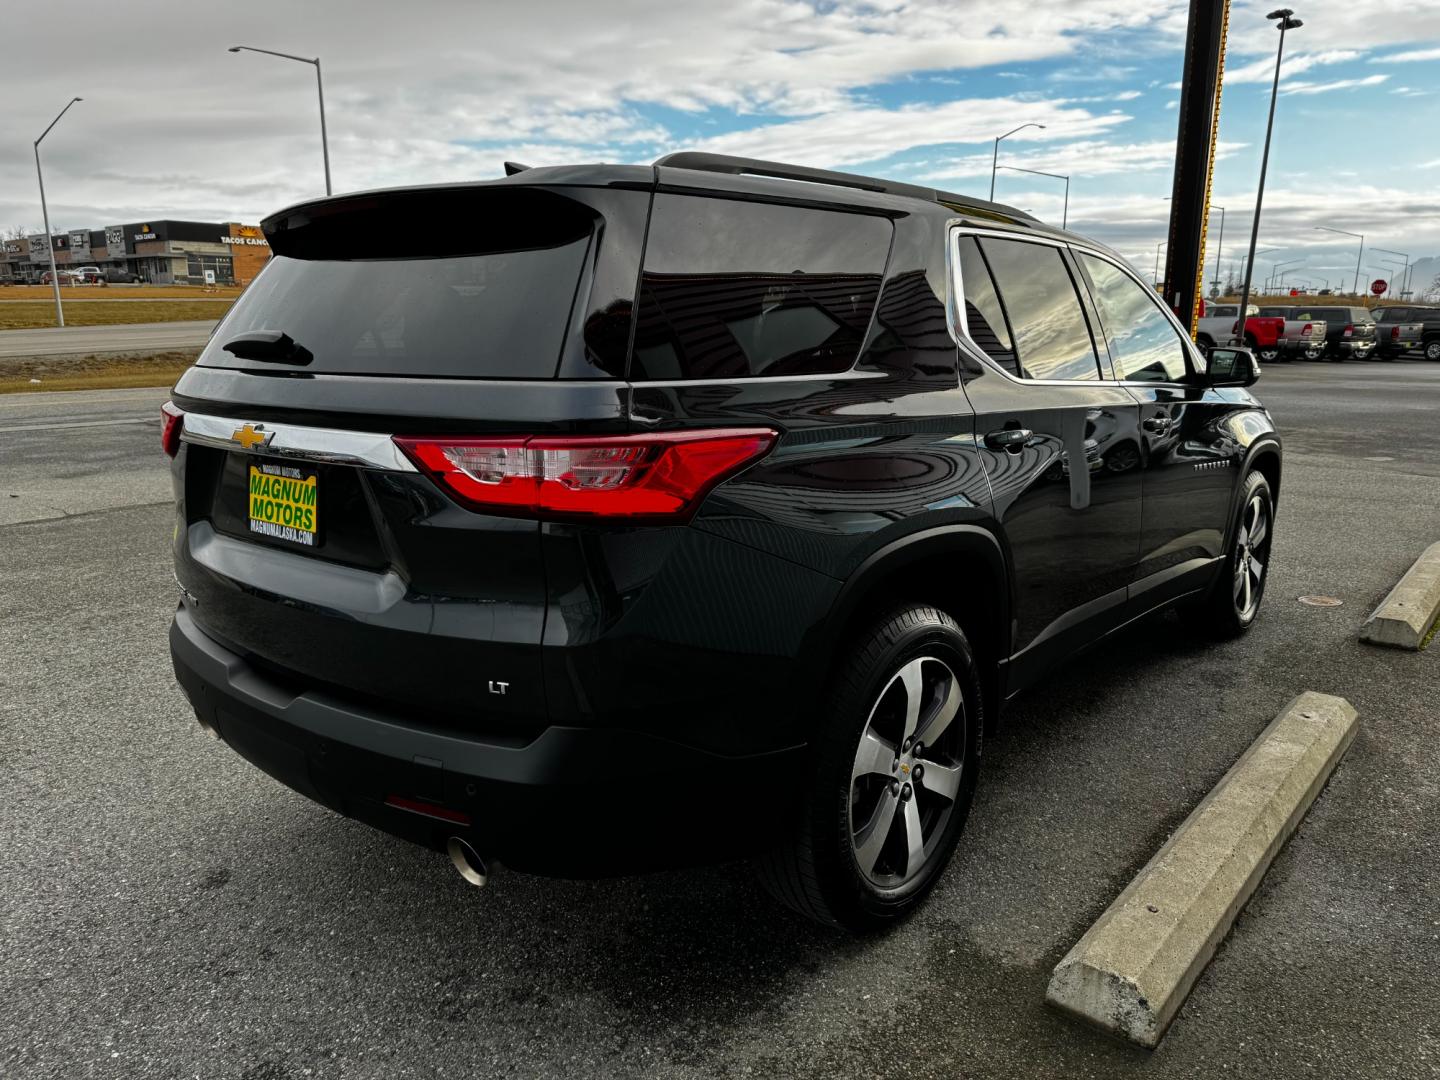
x=131 y=337
x=168 y=911
x=80 y=452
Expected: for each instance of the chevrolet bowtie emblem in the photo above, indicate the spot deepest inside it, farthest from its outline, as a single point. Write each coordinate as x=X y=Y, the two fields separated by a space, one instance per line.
x=251 y=436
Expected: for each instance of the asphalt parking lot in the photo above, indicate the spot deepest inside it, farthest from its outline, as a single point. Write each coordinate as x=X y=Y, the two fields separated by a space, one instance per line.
x=168 y=911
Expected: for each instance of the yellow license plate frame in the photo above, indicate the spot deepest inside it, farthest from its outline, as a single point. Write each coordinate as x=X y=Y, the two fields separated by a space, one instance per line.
x=284 y=503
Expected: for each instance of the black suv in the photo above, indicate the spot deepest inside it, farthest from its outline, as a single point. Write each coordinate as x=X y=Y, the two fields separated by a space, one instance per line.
x=598 y=519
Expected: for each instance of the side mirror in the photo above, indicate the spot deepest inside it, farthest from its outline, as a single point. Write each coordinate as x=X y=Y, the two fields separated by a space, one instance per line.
x=1226 y=366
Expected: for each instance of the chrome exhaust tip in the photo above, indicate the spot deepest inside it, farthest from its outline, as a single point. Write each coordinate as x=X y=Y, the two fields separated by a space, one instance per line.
x=471 y=866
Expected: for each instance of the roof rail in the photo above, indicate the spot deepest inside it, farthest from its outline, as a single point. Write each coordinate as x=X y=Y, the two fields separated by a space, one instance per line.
x=743 y=166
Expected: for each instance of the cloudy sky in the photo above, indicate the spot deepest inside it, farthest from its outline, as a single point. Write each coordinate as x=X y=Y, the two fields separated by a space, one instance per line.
x=429 y=90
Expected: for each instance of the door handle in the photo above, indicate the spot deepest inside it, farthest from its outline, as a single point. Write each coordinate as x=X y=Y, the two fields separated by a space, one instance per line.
x=1156 y=425
x=1011 y=438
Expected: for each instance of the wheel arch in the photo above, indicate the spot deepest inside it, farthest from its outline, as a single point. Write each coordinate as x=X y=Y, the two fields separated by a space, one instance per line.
x=960 y=569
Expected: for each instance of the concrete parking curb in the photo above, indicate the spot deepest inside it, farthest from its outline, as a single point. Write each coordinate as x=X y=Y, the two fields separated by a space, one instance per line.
x=1130 y=973
x=1405 y=616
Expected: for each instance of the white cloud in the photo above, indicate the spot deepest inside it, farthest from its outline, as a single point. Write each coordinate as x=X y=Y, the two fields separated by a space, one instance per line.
x=1339 y=84
x=849 y=136
x=1411 y=57
x=1080 y=160
x=1263 y=70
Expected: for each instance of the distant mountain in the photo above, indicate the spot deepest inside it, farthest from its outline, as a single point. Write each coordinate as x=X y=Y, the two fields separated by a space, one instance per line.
x=1423 y=275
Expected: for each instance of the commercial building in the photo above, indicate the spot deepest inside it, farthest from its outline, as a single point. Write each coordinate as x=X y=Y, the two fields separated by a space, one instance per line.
x=161 y=252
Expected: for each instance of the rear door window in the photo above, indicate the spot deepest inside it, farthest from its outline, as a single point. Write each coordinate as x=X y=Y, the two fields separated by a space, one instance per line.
x=734 y=289
x=1051 y=336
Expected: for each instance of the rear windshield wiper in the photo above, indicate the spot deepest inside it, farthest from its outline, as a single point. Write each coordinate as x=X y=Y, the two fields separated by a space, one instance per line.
x=271 y=346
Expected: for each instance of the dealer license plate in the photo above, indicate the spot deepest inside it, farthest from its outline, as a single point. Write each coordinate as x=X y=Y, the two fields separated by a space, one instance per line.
x=283 y=504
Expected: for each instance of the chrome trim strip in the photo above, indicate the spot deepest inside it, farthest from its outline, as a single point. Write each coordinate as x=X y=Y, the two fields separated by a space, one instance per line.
x=369 y=449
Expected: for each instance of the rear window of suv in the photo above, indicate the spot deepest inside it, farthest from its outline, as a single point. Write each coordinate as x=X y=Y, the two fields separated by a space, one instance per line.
x=371 y=289
x=735 y=289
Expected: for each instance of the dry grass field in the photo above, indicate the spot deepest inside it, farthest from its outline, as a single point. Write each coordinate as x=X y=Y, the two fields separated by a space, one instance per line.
x=32 y=315
x=92 y=372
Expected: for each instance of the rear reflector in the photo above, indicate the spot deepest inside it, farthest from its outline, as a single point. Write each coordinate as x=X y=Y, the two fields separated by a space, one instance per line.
x=430 y=810
x=634 y=477
x=172 y=422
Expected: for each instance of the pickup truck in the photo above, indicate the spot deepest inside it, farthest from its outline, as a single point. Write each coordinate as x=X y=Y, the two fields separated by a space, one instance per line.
x=1302 y=337
x=1349 y=331
x=1216 y=326
x=1395 y=325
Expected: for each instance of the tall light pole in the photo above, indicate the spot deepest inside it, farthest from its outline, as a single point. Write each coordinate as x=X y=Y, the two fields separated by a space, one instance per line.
x=1405 y=274
x=1275 y=276
x=45 y=214
x=1219 y=245
x=1359 y=255
x=320 y=89
x=1245 y=262
x=1286 y=22
x=1065 y=216
x=1158 y=246
x=995 y=155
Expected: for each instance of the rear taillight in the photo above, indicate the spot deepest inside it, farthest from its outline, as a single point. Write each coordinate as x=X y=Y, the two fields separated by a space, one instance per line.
x=1395 y=333
x=172 y=422
x=1349 y=329
x=1306 y=331
x=635 y=477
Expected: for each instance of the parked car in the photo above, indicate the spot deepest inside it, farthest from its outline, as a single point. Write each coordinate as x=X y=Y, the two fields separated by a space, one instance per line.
x=1300 y=337
x=1349 y=331
x=88 y=275
x=67 y=277
x=118 y=275
x=640 y=518
x=1395 y=325
x=1217 y=323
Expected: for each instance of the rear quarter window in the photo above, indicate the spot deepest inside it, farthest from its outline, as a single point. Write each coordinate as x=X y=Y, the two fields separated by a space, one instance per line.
x=734 y=289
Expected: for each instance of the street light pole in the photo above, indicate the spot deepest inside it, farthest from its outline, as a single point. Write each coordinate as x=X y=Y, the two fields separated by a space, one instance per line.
x=1219 y=245
x=995 y=154
x=1065 y=217
x=320 y=90
x=1359 y=255
x=1156 y=278
x=1285 y=23
x=45 y=214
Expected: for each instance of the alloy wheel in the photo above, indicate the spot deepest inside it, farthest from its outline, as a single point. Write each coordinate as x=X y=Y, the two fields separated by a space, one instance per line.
x=1432 y=350
x=1252 y=549
x=907 y=772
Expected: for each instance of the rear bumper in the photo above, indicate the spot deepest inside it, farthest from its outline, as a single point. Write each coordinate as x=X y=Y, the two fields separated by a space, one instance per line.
x=1349 y=346
x=574 y=802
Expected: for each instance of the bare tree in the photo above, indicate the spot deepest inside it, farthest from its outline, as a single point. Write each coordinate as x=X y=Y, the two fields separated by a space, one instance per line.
x=17 y=232
x=1433 y=293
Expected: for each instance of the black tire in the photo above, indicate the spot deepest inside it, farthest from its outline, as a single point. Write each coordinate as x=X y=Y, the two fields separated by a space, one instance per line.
x=1204 y=342
x=816 y=868
x=1221 y=613
x=1432 y=348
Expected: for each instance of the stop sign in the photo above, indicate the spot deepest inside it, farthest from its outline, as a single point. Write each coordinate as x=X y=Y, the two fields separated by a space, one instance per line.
x=1379 y=285
x=1294 y=292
